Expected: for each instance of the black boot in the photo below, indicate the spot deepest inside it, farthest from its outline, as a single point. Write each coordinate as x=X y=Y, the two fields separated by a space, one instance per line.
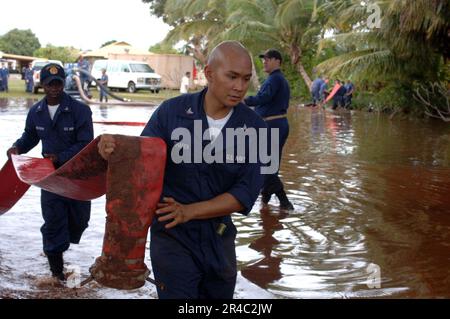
x=265 y=198
x=56 y=263
x=284 y=201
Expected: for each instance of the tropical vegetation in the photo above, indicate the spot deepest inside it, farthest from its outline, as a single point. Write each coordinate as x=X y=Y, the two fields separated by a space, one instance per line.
x=396 y=52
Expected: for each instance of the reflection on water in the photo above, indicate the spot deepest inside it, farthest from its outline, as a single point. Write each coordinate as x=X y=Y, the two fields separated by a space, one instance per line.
x=16 y=103
x=267 y=269
x=371 y=199
x=370 y=194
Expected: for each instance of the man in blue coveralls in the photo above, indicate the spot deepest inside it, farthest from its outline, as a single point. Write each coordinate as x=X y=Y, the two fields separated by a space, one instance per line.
x=272 y=102
x=28 y=77
x=350 y=88
x=192 y=237
x=4 y=74
x=64 y=126
x=315 y=90
x=84 y=65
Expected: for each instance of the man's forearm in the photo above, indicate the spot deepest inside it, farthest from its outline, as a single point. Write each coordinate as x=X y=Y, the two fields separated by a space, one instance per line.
x=221 y=205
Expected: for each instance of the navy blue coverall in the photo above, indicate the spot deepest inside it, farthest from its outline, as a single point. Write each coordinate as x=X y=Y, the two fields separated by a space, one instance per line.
x=71 y=130
x=271 y=100
x=315 y=90
x=338 y=98
x=4 y=74
x=28 y=76
x=196 y=259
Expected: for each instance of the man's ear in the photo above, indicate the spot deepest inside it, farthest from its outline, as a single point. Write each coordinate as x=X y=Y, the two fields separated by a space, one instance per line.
x=208 y=73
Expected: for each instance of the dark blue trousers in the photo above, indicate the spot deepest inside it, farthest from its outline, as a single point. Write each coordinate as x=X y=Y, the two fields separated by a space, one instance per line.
x=193 y=261
x=65 y=220
x=272 y=182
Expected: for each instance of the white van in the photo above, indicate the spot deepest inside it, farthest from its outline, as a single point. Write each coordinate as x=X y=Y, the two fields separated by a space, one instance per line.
x=129 y=75
x=36 y=67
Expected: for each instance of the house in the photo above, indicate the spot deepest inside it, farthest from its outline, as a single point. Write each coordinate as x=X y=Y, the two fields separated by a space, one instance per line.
x=16 y=62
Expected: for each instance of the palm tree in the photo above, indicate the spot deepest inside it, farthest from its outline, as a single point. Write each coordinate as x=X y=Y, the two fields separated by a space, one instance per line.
x=198 y=22
x=412 y=39
x=287 y=24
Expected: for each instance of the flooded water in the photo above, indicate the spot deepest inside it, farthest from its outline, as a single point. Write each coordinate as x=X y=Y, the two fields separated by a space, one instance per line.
x=372 y=201
x=371 y=197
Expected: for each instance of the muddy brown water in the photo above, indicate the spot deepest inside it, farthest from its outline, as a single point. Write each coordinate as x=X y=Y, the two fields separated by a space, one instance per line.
x=372 y=205
x=372 y=218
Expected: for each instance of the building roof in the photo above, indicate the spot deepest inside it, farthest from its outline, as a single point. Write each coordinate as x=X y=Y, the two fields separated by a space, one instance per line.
x=116 y=48
x=4 y=55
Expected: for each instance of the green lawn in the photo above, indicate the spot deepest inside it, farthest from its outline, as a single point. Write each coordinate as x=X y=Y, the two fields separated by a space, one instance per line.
x=17 y=90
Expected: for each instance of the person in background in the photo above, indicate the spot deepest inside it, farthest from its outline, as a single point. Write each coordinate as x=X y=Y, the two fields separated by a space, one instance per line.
x=192 y=245
x=350 y=88
x=272 y=103
x=323 y=91
x=4 y=73
x=64 y=126
x=84 y=65
x=1 y=77
x=315 y=90
x=28 y=76
x=184 y=87
x=338 y=98
x=104 y=82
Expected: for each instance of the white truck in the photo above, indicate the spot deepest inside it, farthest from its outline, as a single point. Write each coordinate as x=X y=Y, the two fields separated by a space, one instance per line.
x=129 y=75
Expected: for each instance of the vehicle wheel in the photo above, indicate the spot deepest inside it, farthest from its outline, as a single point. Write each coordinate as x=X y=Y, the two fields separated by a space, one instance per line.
x=131 y=87
x=152 y=91
x=35 y=90
x=157 y=91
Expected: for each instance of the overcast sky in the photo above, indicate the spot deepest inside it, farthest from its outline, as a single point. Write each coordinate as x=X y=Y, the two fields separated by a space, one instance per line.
x=84 y=24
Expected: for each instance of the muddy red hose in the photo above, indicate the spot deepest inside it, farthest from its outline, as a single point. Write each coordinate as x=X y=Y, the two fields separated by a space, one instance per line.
x=134 y=186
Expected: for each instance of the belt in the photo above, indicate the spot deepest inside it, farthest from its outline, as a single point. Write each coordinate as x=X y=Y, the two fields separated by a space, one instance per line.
x=275 y=117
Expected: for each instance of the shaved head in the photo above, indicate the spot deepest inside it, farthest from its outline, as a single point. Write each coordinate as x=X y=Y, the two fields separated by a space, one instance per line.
x=227 y=50
x=228 y=71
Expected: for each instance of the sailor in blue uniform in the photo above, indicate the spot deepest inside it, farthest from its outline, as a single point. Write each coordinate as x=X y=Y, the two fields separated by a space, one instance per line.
x=350 y=88
x=1 y=79
x=272 y=102
x=84 y=65
x=4 y=74
x=64 y=126
x=28 y=77
x=315 y=90
x=192 y=237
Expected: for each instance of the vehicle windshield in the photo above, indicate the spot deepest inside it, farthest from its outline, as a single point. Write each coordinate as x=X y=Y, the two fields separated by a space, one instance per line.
x=144 y=68
x=40 y=65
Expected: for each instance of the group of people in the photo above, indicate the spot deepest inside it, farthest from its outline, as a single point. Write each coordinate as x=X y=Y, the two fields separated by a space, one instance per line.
x=4 y=77
x=342 y=97
x=192 y=242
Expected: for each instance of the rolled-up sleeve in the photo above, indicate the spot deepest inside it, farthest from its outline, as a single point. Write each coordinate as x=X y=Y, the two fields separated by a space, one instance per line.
x=247 y=187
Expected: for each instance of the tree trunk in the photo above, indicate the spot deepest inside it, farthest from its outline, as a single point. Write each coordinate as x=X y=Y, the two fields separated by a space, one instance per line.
x=296 y=54
x=200 y=54
x=305 y=76
x=255 y=80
